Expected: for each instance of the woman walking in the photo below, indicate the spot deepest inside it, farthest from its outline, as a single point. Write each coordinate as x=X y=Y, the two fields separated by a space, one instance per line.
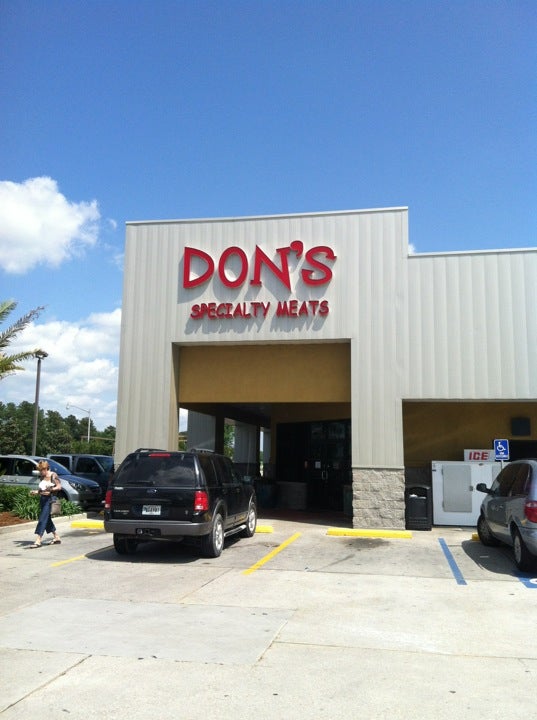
x=48 y=485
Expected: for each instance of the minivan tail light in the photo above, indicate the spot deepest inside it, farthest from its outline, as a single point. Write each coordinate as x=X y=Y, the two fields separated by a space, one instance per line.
x=530 y=510
x=201 y=501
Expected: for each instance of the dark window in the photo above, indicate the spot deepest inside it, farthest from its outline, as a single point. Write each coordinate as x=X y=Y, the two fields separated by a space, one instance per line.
x=521 y=483
x=23 y=467
x=87 y=465
x=506 y=479
x=6 y=465
x=158 y=471
x=206 y=462
x=107 y=462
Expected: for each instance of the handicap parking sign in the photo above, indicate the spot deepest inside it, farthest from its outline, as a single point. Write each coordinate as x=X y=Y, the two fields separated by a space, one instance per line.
x=501 y=449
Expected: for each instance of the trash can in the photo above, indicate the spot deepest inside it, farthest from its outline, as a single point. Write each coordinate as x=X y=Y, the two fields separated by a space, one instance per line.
x=418 y=508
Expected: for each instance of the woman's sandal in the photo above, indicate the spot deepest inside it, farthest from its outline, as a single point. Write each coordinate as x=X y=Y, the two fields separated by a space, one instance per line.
x=56 y=542
x=35 y=545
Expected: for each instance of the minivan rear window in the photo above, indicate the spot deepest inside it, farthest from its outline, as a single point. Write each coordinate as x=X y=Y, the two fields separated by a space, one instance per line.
x=158 y=471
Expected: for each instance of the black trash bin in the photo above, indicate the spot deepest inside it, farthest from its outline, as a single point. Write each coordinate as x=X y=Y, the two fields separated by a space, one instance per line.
x=418 y=508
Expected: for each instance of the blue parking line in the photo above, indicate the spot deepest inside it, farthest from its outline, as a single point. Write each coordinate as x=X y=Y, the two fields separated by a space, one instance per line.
x=529 y=582
x=457 y=574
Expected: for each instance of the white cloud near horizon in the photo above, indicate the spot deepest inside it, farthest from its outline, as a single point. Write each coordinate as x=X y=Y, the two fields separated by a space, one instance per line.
x=38 y=225
x=81 y=368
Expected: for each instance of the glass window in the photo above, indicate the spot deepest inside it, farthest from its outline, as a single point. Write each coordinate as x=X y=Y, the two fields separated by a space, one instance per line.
x=207 y=466
x=521 y=483
x=158 y=471
x=6 y=465
x=87 y=465
x=23 y=467
x=506 y=479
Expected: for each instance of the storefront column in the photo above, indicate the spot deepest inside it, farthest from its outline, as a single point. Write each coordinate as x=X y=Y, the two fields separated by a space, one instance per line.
x=267 y=458
x=378 y=498
x=246 y=451
x=201 y=431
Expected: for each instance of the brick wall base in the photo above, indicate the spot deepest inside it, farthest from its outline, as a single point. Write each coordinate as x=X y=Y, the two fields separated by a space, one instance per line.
x=378 y=498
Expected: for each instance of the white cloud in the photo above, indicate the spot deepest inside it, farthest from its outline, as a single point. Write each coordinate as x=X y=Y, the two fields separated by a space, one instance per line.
x=39 y=225
x=81 y=367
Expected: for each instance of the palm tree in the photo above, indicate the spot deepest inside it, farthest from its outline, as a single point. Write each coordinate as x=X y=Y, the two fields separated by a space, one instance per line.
x=10 y=363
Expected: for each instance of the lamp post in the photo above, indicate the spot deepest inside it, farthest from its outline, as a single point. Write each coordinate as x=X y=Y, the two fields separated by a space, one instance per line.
x=70 y=405
x=40 y=355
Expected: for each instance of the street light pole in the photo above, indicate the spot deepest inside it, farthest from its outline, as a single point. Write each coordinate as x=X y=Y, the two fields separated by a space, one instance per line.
x=40 y=355
x=70 y=405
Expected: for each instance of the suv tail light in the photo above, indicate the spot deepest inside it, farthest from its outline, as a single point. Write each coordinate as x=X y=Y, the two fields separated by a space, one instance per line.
x=530 y=510
x=201 y=501
x=108 y=500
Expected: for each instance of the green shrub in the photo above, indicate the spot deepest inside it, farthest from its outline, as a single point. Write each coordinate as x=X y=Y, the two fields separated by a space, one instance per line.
x=27 y=506
x=9 y=496
x=70 y=508
x=19 y=501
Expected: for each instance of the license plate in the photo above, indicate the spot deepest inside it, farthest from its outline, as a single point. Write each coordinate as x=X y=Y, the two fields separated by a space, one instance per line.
x=150 y=509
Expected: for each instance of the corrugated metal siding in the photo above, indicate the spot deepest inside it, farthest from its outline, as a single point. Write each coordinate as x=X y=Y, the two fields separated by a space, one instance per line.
x=473 y=326
x=367 y=297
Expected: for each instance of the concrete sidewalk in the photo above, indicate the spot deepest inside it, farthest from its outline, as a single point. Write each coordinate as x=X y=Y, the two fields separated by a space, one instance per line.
x=331 y=627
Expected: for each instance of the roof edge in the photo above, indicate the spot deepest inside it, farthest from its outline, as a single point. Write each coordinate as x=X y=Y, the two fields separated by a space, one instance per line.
x=239 y=218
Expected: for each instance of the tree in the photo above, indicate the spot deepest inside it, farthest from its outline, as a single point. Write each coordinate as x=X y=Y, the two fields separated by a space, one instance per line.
x=9 y=364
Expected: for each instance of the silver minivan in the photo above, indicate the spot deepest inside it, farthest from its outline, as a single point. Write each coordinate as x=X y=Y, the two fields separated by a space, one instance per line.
x=509 y=511
x=21 y=471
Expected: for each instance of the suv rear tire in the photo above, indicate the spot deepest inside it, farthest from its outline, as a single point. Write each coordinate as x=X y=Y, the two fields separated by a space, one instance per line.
x=251 y=520
x=213 y=543
x=124 y=546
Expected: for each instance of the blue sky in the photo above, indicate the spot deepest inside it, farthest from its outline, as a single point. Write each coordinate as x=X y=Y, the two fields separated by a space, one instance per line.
x=134 y=110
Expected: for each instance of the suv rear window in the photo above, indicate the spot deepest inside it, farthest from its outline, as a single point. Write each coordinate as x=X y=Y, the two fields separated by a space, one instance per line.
x=158 y=470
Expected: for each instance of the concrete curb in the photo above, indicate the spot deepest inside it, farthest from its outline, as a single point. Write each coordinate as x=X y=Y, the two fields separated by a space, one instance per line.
x=348 y=532
x=61 y=520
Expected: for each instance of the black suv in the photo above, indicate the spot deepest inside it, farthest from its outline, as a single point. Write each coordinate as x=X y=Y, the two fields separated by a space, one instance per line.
x=161 y=495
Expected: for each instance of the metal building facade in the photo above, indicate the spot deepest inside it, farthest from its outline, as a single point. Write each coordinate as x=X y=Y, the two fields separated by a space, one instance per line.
x=418 y=327
x=473 y=325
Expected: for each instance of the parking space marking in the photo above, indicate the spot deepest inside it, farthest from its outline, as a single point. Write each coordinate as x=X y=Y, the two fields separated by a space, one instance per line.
x=457 y=574
x=70 y=560
x=81 y=557
x=355 y=532
x=529 y=582
x=272 y=554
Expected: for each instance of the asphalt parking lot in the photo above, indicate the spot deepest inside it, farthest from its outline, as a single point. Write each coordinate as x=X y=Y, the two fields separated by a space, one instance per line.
x=295 y=622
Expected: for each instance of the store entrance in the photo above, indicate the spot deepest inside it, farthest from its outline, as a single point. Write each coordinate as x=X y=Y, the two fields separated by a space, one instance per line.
x=316 y=455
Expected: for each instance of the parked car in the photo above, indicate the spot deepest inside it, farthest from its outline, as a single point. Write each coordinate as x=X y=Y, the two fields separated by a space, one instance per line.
x=21 y=471
x=509 y=511
x=161 y=495
x=93 y=467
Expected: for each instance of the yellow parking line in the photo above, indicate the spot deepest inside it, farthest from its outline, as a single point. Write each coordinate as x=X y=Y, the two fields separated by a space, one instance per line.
x=66 y=562
x=264 y=529
x=349 y=532
x=272 y=554
x=91 y=524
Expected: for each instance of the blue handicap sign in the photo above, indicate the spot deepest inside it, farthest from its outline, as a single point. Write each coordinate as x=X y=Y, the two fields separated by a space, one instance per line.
x=501 y=449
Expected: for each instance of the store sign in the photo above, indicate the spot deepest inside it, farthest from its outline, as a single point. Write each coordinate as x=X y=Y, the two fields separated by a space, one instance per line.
x=479 y=455
x=233 y=269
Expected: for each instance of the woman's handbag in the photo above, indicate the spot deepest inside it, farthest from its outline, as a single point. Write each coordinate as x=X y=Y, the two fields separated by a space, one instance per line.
x=55 y=507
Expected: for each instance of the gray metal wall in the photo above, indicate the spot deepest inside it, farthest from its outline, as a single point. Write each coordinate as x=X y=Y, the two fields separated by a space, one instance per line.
x=446 y=326
x=367 y=298
x=472 y=326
